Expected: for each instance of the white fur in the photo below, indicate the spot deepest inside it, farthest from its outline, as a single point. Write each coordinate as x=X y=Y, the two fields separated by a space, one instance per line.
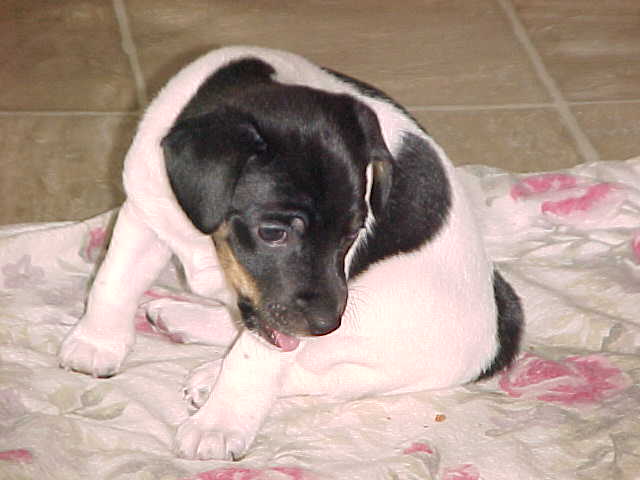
x=404 y=328
x=360 y=241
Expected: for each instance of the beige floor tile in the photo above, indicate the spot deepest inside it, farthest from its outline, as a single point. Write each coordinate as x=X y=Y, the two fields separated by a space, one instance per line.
x=614 y=129
x=422 y=52
x=68 y=55
x=516 y=140
x=70 y=170
x=62 y=56
x=590 y=47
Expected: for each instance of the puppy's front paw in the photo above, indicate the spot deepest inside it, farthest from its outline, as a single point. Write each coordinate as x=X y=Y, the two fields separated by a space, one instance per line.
x=97 y=353
x=206 y=436
x=198 y=386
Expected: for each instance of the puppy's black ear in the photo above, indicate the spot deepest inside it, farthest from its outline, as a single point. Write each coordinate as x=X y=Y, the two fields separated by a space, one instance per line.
x=379 y=156
x=204 y=157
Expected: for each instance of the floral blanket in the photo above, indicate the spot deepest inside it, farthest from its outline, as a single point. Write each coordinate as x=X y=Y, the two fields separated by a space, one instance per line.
x=569 y=408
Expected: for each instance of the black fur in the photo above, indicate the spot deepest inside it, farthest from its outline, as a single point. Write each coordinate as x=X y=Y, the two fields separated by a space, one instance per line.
x=510 y=326
x=408 y=221
x=226 y=84
x=204 y=155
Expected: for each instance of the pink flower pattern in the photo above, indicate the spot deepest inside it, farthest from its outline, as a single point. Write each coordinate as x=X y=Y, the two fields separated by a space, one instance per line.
x=237 y=473
x=461 y=472
x=546 y=182
x=20 y=455
x=93 y=244
x=418 y=447
x=563 y=195
x=580 y=203
x=635 y=248
x=575 y=380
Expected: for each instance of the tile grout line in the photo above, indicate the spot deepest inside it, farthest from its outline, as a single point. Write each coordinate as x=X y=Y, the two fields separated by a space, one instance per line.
x=414 y=108
x=583 y=143
x=130 y=49
x=65 y=113
x=456 y=108
x=513 y=106
x=604 y=102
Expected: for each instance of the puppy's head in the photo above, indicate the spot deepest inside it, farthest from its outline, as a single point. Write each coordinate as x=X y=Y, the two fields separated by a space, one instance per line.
x=284 y=182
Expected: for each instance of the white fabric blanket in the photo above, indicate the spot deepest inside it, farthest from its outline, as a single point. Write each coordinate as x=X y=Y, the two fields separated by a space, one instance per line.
x=569 y=409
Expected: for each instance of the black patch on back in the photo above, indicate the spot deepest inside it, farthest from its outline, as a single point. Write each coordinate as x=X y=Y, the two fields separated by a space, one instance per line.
x=510 y=326
x=417 y=209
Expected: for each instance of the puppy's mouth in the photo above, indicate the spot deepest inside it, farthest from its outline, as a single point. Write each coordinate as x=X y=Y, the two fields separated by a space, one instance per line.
x=277 y=338
x=284 y=341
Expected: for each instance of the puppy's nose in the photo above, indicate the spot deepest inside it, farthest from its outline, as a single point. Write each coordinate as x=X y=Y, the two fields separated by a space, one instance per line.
x=322 y=325
x=303 y=299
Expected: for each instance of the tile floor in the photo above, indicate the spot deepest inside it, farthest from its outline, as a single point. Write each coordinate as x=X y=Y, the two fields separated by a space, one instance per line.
x=526 y=85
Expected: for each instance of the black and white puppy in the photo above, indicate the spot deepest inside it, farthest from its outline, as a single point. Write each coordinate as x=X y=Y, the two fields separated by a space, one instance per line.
x=327 y=221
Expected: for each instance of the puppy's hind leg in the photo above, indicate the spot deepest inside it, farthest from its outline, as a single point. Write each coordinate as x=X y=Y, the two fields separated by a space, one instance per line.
x=193 y=322
x=196 y=320
x=105 y=334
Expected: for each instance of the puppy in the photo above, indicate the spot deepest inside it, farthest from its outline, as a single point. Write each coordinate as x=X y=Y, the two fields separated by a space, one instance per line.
x=328 y=222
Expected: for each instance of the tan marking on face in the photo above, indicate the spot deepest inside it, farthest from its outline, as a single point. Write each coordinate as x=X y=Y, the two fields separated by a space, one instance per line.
x=236 y=274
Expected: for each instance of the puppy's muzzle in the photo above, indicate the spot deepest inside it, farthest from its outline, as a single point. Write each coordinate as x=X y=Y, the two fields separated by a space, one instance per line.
x=304 y=318
x=323 y=325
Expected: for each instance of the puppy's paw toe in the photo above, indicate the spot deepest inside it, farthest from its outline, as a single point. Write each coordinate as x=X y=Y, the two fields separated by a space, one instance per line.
x=196 y=397
x=199 y=383
x=100 y=355
x=197 y=439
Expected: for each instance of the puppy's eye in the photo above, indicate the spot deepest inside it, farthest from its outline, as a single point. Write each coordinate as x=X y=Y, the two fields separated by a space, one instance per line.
x=273 y=235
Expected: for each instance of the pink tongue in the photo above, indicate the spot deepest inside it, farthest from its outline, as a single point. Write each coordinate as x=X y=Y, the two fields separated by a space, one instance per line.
x=286 y=342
